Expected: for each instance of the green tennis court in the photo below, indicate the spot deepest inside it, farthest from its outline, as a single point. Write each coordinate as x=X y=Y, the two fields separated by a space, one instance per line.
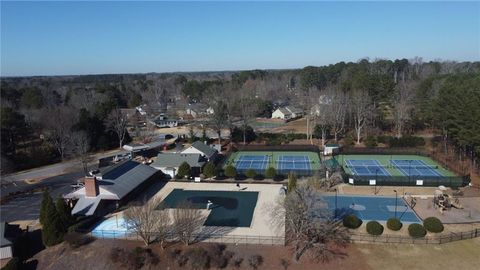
x=392 y=165
x=302 y=163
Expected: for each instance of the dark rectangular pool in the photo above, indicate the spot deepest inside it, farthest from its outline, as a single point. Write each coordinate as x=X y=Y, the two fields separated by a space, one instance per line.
x=229 y=208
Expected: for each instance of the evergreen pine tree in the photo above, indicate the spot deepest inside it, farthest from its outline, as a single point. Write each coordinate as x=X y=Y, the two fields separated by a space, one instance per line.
x=52 y=229
x=292 y=182
x=45 y=200
x=64 y=213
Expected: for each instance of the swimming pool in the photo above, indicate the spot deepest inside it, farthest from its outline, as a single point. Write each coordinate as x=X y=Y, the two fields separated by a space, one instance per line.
x=229 y=208
x=371 y=208
x=113 y=227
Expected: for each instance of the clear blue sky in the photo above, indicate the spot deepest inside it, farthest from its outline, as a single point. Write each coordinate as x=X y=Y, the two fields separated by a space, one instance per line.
x=55 y=38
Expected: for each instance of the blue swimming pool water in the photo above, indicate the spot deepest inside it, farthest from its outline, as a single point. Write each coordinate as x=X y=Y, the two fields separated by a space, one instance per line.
x=113 y=227
x=371 y=208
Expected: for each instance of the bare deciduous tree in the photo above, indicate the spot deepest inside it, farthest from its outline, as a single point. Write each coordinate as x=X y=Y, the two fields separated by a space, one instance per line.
x=217 y=101
x=361 y=107
x=187 y=220
x=247 y=108
x=81 y=148
x=402 y=106
x=148 y=222
x=117 y=122
x=321 y=112
x=338 y=112
x=309 y=227
x=57 y=125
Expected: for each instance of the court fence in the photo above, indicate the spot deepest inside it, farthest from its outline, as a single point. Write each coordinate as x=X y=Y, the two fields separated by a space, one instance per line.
x=279 y=240
x=395 y=239
x=406 y=180
x=425 y=181
x=200 y=237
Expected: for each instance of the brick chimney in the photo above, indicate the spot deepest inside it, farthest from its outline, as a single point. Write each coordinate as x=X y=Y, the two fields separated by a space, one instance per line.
x=91 y=187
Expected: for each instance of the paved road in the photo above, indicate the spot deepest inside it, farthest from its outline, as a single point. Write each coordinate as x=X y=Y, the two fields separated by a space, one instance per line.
x=27 y=206
x=57 y=178
x=63 y=167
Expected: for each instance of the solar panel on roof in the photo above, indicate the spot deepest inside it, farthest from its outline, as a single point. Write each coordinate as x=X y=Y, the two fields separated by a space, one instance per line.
x=119 y=171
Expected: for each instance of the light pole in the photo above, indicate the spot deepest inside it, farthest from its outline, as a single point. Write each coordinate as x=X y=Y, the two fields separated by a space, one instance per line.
x=396 y=195
x=376 y=175
x=336 y=203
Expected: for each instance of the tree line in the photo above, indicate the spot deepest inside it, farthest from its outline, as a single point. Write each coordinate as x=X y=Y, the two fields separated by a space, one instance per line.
x=344 y=100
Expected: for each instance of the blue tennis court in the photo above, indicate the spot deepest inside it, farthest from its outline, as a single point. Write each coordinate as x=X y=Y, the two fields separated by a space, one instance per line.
x=257 y=163
x=415 y=168
x=371 y=208
x=298 y=164
x=368 y=167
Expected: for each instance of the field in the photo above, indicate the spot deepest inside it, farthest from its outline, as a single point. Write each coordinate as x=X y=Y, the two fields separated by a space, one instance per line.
x=457 y=255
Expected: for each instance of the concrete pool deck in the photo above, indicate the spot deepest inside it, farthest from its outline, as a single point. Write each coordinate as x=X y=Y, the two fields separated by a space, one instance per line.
x=260 y=226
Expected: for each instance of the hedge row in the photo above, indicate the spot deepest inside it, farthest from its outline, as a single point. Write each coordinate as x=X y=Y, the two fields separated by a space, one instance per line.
x=431 y=224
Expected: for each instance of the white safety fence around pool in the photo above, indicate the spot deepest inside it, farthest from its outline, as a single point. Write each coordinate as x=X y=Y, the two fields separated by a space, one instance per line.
x=208 y=238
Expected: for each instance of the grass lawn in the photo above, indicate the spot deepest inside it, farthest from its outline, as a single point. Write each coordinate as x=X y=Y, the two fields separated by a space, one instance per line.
x=456 y=255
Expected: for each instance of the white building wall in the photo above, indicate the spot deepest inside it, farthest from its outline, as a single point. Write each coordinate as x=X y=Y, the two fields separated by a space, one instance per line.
x=192 y=150
x=6 y=252
x=278 y=114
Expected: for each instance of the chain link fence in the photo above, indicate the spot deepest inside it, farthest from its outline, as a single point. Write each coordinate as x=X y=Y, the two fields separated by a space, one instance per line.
x=394 y=239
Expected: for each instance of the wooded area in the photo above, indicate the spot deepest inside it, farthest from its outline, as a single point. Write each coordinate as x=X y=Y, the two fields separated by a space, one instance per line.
x=47 y=119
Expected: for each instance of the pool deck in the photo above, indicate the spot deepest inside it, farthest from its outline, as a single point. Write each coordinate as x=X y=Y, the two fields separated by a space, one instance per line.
x=261 y=225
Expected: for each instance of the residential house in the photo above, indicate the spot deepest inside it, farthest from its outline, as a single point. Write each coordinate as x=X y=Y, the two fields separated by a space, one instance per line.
x=111 y=187
x=197 y=110
x=8 y=235
x=287 y=113
x=205 y=150
x=162 y=121
x=169 y=163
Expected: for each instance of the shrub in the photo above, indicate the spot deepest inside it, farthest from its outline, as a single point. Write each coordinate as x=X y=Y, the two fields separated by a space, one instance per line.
x=371 y=142
x=76 y=240
x=250 y=173
x=292 y=182
x=237 y=262
x=394 y=224
x=374 y=228
x=284 y=263
x=255 y=261
x=230 y=171
x=348 y=141
x=433 y=224
x=115 y=254
x=183 y=170
x=134 y=259
x=270 y=173
x=352 y=222
x=416 y=230
x=198 y=258
x=181 y=260
x=14 y=264
x=209 y=170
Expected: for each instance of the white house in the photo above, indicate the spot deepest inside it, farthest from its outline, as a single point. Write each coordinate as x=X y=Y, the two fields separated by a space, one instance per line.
x=169 y=163
x=287 y=113
x=330 y=149
x=201 y=148
x=199 y=110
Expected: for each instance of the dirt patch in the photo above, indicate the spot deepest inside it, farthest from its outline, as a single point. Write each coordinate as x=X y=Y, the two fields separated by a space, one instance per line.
x=96 y=255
